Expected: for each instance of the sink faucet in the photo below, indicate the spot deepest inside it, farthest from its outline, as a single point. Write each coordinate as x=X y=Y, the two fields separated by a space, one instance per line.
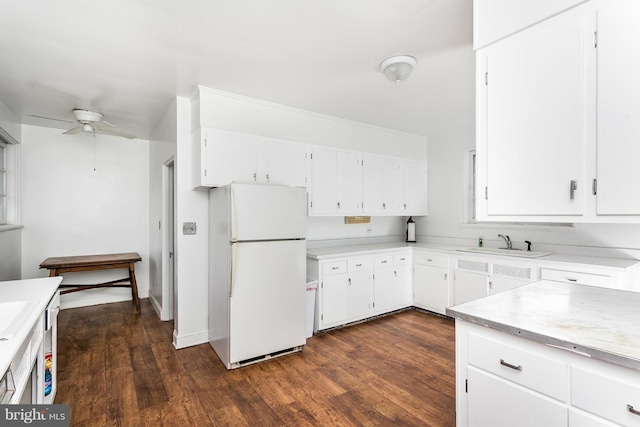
x=507 y=240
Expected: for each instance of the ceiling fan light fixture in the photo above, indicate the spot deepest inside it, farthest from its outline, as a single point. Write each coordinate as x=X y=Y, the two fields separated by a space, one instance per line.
x=87 y=127
x=398 y=68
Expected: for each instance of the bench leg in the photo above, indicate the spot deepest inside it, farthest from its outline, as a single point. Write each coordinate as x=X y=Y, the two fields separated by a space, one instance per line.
x=134 y=286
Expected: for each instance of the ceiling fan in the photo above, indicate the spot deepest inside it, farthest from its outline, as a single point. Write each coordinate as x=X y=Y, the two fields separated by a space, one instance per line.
x=89 y=121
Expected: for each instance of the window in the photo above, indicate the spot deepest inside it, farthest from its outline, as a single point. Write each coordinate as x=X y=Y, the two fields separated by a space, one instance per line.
x=3 y=183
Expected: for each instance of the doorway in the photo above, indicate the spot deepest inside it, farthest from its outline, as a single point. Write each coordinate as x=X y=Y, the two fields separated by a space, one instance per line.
x=168 y=238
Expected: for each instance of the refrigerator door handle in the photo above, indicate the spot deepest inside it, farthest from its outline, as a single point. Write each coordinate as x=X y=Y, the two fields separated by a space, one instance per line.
x=234 y=257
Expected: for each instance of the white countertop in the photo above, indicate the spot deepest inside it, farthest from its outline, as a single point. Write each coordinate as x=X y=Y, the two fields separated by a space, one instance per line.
x=38 y=292
x=598 y=322
x=339 y=251
x=548 y=260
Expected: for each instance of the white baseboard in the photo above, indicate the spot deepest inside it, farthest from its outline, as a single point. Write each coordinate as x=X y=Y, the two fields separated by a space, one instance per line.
x=190 y=340
x=156 y=305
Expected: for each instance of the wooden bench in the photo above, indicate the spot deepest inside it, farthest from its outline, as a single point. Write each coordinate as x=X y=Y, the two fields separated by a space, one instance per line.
x=70 y=264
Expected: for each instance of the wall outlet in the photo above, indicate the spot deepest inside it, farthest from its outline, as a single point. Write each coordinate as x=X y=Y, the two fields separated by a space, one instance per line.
x=188 y=228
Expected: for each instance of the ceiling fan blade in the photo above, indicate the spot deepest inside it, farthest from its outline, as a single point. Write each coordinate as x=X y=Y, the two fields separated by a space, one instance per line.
x=51 y=118
x=115 y=133
x=106 y=123
x=73 y=131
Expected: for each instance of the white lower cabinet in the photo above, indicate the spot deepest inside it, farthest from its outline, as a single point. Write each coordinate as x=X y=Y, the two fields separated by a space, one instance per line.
x=494 y=402
x=392 y=282
x=431 y=281
x=506 y=380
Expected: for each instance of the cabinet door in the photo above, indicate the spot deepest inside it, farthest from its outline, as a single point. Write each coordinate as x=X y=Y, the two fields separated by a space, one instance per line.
x=383 y=285
x=359 y=295
x=414 y=187
x=499 y=403
x=283 y=163
x=323 y=181
x=618 y=109
x=535 y=90
x=371 y=184
x=431 y=288
x=230 y=157
x=334 y=299
x=403 y=296
x=391 y=186
x=349 y=183
x=469 y=286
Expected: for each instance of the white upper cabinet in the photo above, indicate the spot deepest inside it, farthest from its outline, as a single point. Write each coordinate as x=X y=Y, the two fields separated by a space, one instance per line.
x=393 y=186
x=533 y=88
x=226 y=156
x=618 y=131
x=414 y=187
x=283 y=163
x=336 y=180
x=557 y=118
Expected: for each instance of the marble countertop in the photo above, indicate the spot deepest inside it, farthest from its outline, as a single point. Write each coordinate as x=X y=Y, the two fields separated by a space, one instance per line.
x=38 y=293
x=596 y=322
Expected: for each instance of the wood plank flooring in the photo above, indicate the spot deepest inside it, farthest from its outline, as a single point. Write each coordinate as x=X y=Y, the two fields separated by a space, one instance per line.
x=117 y=368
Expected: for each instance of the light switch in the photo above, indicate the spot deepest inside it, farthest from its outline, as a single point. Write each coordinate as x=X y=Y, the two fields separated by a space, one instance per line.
x=188 y=228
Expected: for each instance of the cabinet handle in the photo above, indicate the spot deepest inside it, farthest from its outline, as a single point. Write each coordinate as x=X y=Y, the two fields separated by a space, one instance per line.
x=338 y=205
x=491 y=287
x=384 y=262
x=384 y=206
x=395 y=273
x=405 y=206
x=358 y=265
x=349 y=281
x=572 y=279
x=633 y=411
x=255 y=177
x=509 y=365
x=572 y=188
x=267 y=177
x=334 y=268
x=446 y=276
x=429 y=259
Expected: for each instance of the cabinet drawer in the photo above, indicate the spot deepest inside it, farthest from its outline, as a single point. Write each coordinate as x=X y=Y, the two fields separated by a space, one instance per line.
x=383 y=261
x=334 y=267
x=430 y=259
x=573 y=277
x=359 y=264
x=523 y=367
x=605 y=396
x=401 y=259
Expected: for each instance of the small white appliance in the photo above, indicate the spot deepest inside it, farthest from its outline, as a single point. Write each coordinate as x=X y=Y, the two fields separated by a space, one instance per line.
x=257 y=269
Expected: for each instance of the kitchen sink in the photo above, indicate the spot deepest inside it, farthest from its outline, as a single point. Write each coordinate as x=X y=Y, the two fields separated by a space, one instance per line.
x=508 y=252
x=12 y=316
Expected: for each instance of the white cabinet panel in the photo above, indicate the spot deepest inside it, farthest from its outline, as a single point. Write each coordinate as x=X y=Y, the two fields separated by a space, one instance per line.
x=324 y=179
x=391 y=186
x=537 y=84
x=431 y=288
x=371 y=184
x=283 y=163
x=498 y=403
x=414 y=188
x=349 y=183
x=618 y=130
x=334 y=299
x=229 y=157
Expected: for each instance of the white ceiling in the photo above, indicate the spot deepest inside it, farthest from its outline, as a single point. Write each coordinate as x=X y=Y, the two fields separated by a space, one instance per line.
x=129 y=58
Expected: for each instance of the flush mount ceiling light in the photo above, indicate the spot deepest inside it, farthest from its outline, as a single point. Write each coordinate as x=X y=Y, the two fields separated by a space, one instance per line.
x=398 y=68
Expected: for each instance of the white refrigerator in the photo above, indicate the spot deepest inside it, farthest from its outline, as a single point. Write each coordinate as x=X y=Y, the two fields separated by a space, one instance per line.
x=257 y=271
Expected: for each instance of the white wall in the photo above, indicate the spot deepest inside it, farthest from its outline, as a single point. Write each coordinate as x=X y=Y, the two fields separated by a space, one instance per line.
x=162 y=148
x=83 y=196
x=192 y=251
x=445 y=174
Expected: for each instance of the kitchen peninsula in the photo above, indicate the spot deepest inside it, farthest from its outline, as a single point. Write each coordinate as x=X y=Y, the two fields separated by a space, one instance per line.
x=548 y=353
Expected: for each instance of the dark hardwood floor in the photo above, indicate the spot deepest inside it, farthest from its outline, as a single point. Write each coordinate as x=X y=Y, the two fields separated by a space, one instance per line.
x=118 y=368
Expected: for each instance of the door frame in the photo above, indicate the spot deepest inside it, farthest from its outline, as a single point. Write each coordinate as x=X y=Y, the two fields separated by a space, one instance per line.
x=168 y=239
